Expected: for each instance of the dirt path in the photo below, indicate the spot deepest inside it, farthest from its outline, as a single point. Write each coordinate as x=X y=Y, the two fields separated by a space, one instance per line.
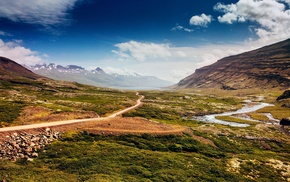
x=66 y=122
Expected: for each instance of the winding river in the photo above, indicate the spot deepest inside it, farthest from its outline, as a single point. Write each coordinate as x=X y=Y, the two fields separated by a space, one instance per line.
x=247 y=108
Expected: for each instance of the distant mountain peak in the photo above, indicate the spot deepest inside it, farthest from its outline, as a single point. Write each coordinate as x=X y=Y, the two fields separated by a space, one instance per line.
x=74 y=67
x=98 y=77
x=99 y=70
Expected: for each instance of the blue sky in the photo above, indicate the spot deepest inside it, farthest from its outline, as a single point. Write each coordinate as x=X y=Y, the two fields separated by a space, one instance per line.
x=165 y=38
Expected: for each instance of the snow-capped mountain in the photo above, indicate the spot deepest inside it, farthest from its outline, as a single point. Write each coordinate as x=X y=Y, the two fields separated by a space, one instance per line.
x=97 y=77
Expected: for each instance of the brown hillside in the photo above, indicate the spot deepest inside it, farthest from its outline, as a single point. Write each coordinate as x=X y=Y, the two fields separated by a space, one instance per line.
x=267 y=67
x=12 y=70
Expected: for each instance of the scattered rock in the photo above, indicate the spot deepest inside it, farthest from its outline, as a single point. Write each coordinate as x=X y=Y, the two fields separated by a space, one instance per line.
x=25 y=145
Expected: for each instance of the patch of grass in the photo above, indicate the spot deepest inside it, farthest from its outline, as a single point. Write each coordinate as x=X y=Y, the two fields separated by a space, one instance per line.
x=88 y=157
x=178 y=108
x=277 y=111
x=59 y=97
x=9 y=111
x=258 y=116
x=236 y=120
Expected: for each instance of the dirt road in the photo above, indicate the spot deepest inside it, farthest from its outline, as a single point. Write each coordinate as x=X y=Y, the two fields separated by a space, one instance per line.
x=56 y=123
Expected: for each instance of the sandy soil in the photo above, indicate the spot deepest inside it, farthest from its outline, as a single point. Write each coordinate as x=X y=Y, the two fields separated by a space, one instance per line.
x=114 y=126
x=120 y=125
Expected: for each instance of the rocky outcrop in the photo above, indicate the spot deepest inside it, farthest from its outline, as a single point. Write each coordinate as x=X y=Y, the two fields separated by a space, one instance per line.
x=267 y=67
x=285 y=95
x=25 y=146
x=285 y=122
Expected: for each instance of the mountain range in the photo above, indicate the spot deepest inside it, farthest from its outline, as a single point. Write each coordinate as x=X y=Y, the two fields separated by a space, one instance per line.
x=267 y=67
x=98 y=77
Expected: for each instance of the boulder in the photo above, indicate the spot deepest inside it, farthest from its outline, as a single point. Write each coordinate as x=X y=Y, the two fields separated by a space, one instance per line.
x=29 y=159
x=285 y=95
x=285 y=122
x=34 y=154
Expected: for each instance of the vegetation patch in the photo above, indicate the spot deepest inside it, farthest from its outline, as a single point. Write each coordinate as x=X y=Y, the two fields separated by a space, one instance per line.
x=9 y=111
x=277 y=111
x=178 y=108
x=58 y=99
x=87 y=157
x=236 y=120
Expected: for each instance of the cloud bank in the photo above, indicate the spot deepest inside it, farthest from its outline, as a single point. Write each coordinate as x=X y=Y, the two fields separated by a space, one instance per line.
x=13 y=50
x=41 y=12
x=141 y=51
x=272 y=17
x=167 y=61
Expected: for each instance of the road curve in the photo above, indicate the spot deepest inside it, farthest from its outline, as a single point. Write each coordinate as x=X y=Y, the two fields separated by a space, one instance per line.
x=65 y=122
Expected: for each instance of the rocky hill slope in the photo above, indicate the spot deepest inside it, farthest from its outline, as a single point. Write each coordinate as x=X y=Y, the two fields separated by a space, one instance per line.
x=267 y=67
x=12 y=70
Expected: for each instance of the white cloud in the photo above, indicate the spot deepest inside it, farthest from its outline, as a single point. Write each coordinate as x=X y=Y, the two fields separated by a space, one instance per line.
x=42 y=12
x=119 y=71
x=142 y=51
x=202 y=20
x=272 y=17
x=181 y=28
x=178 y=74
x=5 y=34
x=286 y=1
x=16 y=52
x=179 y=62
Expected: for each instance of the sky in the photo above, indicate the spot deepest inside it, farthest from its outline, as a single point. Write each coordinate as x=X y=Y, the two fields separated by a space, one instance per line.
x=164 y=38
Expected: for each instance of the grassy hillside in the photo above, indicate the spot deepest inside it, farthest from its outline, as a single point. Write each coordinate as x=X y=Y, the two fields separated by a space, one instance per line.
x=84 y=157
x=27 y=101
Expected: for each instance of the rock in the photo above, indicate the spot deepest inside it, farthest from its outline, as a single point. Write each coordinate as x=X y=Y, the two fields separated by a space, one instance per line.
x=225 y=87
x=28 y=150
x=34 y=154
x=285 y=122
x=47 y=130
x=35 y=139
x=13 y=159
x=285 y=95
x=24 y=145
x=29 y=159
x=265 y=145
x=286 y=105
x=17 y=146
x=13 y=143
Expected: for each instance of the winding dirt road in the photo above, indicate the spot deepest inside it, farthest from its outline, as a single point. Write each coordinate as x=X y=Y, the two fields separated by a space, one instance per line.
x=57 y=123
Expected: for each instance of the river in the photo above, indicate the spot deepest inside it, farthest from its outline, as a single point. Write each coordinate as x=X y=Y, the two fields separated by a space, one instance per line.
x=247 y=108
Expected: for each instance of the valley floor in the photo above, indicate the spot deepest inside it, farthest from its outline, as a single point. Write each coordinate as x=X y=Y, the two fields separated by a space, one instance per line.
x=160 y=142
